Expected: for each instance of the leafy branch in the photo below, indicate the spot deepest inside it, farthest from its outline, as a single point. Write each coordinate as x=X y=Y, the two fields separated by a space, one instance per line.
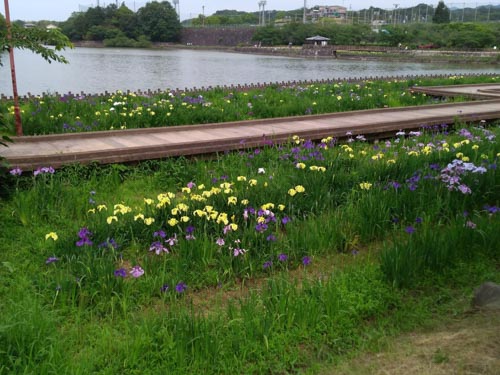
x=46 y=43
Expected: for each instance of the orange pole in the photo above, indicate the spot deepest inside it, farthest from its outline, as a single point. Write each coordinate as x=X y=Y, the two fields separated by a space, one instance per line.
x=17 y=112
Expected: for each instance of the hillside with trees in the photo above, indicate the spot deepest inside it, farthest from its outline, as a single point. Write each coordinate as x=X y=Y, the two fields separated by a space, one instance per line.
x=439 y=27
x=421 y=13
x=447 y=35
x=120 y=26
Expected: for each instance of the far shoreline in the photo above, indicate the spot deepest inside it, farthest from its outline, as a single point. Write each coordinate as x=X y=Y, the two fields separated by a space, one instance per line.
x=362 y=53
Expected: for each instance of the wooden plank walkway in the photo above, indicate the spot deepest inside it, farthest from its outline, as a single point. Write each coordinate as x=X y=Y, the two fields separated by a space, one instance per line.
x=479 y=91
x=31 y=152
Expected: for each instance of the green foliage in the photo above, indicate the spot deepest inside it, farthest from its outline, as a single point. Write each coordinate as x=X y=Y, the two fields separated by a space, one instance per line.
x=298 y=32
x=225 y=17
x=36 y=40
x=27 y=332
x=4 y=142
x=408 y=261
x=123 y=41
x=103 y=32
x=441 y=14
x=394 y=35
x=471 y=35
x=159 y=22
x=451 y=35
x=121 y=27
x=269 y=36
x=125 y=20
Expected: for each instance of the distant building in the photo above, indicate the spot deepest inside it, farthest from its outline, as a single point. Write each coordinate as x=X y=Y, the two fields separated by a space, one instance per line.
x=318 y=46
x=29 y=25
x=377 y=25
x=328 y=11
x=51 y=27
x=283 y=21
x=318 y=40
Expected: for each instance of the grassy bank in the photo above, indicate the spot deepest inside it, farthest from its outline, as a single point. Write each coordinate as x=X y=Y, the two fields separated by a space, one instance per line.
x=264 y=261
x=69 y=113
x=380 y=54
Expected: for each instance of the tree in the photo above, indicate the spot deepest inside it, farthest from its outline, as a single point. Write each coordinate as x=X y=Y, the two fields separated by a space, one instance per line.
x=442 y=14
x=35 y=40
x=159 y=22
x=126 y=21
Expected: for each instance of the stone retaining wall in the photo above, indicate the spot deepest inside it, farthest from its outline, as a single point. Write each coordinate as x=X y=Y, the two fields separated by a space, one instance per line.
x=217 y=36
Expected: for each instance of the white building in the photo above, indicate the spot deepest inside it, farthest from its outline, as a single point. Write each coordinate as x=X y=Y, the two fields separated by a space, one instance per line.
x=328 y=11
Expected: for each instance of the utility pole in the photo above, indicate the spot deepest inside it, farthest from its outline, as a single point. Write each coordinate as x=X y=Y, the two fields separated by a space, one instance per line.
x=17 y=112
x=203 y=15
x=395 y=15
x=304 y=15
x=176 y=7
x=262 y=13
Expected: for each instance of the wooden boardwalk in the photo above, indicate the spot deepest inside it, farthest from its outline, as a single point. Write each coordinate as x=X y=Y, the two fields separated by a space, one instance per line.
x=31 y=152
x=483 y=91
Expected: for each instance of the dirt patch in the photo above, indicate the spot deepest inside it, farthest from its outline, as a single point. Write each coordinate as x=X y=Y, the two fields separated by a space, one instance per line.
x=468 y=345
x=210 y=300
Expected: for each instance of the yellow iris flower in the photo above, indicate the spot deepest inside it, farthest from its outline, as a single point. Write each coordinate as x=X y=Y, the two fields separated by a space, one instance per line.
x=52 y=235
x=110 y=219
x=365 y=186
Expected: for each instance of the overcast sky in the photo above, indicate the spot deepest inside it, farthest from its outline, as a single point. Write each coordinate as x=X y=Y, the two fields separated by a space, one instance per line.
x=60 y=10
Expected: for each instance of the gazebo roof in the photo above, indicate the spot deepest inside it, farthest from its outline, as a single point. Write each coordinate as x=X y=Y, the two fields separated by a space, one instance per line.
x=318 y=38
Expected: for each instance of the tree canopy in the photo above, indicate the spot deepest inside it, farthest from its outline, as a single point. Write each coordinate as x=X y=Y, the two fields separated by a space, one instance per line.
x=442 y=13
x=156 y=21
x=159 y=22
x=450 y=35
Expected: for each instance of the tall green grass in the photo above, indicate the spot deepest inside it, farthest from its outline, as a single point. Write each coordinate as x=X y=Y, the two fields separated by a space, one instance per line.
x=396 y=214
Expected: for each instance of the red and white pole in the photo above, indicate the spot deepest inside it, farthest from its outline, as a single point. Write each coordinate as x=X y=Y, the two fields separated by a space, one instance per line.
x=17 y=112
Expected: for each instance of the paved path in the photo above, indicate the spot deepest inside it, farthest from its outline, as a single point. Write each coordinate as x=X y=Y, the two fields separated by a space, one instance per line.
x=141 y=144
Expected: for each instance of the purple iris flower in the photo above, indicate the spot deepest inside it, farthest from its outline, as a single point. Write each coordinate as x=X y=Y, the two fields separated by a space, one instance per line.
x=51 y=260
x=164 y=288
x=267 y=264
x=282 y=257
x=409 y=229
x=121 y=272
x=84 y=235
x=181 y=287
x=16 y=172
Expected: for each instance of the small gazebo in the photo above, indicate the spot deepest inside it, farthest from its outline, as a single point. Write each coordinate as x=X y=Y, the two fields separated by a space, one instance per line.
x=318 y=40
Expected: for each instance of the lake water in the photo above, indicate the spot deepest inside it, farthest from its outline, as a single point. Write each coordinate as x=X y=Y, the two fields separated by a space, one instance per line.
x=94 y=70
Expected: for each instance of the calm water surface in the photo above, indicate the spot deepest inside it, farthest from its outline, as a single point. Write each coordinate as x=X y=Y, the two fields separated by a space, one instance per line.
x=98 y=70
